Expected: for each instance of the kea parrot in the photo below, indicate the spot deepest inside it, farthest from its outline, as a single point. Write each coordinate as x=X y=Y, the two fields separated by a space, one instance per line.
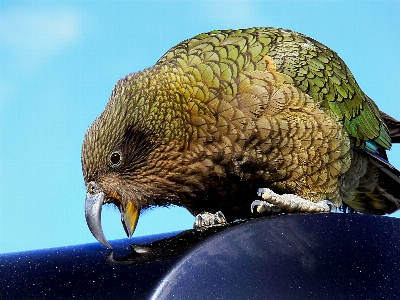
x=228 y=114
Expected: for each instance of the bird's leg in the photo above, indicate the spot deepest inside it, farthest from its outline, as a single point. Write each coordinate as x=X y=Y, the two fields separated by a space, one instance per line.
x=206 y=219
x=273 y=202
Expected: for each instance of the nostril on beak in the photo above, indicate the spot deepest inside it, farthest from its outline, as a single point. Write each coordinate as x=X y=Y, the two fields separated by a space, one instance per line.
x=93 y=188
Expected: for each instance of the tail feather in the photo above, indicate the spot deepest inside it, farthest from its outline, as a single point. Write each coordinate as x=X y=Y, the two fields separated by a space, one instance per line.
x=393 y=126
x=384 y=166
x=379 y=193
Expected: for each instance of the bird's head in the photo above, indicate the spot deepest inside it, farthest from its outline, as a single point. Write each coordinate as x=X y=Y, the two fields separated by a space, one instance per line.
x=124 y=157
x=112 y=163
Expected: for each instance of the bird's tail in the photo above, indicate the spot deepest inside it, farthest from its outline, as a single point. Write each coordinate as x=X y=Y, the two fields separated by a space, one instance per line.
x=379 y=189
x=393 y=126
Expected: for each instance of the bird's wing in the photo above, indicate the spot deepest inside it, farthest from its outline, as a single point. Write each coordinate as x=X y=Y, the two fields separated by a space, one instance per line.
x=321 y=73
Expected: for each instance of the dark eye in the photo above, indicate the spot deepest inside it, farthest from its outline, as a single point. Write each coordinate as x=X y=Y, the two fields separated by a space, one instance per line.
x=115 y=158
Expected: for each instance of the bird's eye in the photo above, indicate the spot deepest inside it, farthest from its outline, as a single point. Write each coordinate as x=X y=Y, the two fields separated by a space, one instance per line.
x=115 y=158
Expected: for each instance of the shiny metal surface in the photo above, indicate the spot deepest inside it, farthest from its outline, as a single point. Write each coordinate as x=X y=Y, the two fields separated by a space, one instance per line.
x=302 y=256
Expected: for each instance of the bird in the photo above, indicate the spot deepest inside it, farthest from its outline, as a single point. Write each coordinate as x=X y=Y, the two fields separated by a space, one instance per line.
x=229 y=114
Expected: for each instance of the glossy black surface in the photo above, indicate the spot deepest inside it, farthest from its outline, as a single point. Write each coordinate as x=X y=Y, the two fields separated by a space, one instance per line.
x=320 y=256
x=76 y=271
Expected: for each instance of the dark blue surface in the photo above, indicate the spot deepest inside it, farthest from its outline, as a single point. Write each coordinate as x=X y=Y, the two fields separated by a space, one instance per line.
x=76 y=271
x=320 y=256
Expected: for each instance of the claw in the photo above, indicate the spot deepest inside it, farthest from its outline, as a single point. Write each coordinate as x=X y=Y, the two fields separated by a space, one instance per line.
x=198 y=221
x=208 y=219
x=332 y=207
x=264 y=206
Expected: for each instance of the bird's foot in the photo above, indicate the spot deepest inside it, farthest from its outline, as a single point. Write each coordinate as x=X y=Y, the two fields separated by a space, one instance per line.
x=264 y=207
x=273 y=203
x=207 y=219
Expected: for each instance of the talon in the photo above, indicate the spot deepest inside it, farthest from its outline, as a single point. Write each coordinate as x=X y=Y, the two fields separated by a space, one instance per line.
x=254 y=204
x=198 y=221
x=262 y=191
x=264 y=206
x=332 y=207
x=220 y=217
x=207 y=219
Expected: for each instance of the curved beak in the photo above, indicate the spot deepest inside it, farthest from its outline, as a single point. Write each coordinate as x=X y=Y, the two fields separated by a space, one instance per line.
x=95 y=198
x=93 y=205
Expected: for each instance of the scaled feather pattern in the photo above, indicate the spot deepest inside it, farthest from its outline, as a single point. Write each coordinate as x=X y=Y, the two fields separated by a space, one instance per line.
x=230 y=111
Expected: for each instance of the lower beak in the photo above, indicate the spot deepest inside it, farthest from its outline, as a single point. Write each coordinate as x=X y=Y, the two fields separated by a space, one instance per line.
x=93 y=205
x=129 y=218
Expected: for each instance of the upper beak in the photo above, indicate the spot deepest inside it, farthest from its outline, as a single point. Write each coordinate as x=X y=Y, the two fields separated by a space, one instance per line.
x=93 y=204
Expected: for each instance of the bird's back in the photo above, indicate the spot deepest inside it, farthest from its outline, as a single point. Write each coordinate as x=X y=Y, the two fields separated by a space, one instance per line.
x=250 y=97
x=218 y=58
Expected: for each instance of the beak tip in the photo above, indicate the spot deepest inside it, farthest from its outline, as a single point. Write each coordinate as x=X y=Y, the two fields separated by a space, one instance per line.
x=106 y=244
x=93 y=206
x=128 y=232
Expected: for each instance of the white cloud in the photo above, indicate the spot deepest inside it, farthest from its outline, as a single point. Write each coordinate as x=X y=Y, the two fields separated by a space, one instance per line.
x=33 y=37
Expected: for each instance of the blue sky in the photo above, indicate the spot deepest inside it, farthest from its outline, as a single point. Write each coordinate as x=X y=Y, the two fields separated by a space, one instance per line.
x=59 y=61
